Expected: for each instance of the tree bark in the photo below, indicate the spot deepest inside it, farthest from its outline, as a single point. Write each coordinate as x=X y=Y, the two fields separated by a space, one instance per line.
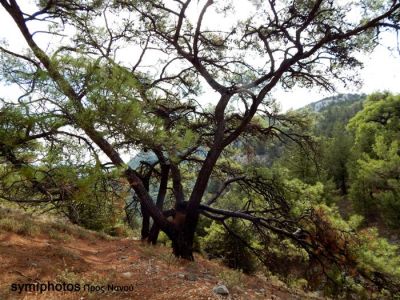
x=155 y=229
x=182 y=243
x=145 y=231
x=153 y=234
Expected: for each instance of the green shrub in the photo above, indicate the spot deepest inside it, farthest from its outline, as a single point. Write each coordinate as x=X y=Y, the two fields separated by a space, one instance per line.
x=219 y=243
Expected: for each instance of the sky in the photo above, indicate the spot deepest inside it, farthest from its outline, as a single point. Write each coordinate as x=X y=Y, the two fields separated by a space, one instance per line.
x=381 y=68
x=381 y=72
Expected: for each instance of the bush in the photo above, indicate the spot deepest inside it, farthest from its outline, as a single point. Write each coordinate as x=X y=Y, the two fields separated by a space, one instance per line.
x=219 y=243
x=97 y=203
x=364 y=264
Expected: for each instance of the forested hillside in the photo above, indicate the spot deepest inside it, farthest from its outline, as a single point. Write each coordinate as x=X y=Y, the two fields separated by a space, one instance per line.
x=351 y=130
x=334 y=112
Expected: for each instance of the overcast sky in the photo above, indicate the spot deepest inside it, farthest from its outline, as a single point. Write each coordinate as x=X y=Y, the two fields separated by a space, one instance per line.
x=381 y=68
x=381 y=72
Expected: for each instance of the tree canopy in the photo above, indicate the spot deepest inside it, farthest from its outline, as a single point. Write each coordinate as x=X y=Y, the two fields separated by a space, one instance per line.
x=117 y=77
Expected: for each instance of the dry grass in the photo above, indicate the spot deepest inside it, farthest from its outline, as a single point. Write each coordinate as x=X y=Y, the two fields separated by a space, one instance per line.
x=24 y=223
x=232 y=278
x=23 y=226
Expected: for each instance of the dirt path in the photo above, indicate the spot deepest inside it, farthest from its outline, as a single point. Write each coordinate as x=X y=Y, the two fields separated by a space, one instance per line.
x=122 y=268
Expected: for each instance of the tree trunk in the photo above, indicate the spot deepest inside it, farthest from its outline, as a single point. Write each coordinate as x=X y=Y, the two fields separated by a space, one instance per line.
x=182 y=246
x=182 y=242
x=145 y=223
x=155 y=229
x=343 y=186
x=153 y=235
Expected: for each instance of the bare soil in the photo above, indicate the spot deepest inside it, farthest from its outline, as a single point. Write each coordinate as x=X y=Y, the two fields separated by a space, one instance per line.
x=86 y=258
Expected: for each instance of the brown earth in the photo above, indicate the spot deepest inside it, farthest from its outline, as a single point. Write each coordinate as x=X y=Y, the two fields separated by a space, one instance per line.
x=72 y=255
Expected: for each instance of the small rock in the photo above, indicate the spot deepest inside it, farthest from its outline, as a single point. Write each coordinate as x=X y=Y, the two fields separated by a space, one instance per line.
x=181 y=276
x=262 y=291
x=191 y=277
x=123 y=257
x=221 y=290
x=239 y=289
x=127 y=274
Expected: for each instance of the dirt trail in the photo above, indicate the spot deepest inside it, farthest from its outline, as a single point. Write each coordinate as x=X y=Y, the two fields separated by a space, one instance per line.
x=145 y=272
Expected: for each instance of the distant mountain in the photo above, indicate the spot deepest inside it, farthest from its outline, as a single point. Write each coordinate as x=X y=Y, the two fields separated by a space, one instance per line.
x=329 y=101
x=335 y=112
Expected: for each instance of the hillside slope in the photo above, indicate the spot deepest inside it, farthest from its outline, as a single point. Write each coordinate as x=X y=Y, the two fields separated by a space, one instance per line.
x=322 y=104
x=47 y=253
